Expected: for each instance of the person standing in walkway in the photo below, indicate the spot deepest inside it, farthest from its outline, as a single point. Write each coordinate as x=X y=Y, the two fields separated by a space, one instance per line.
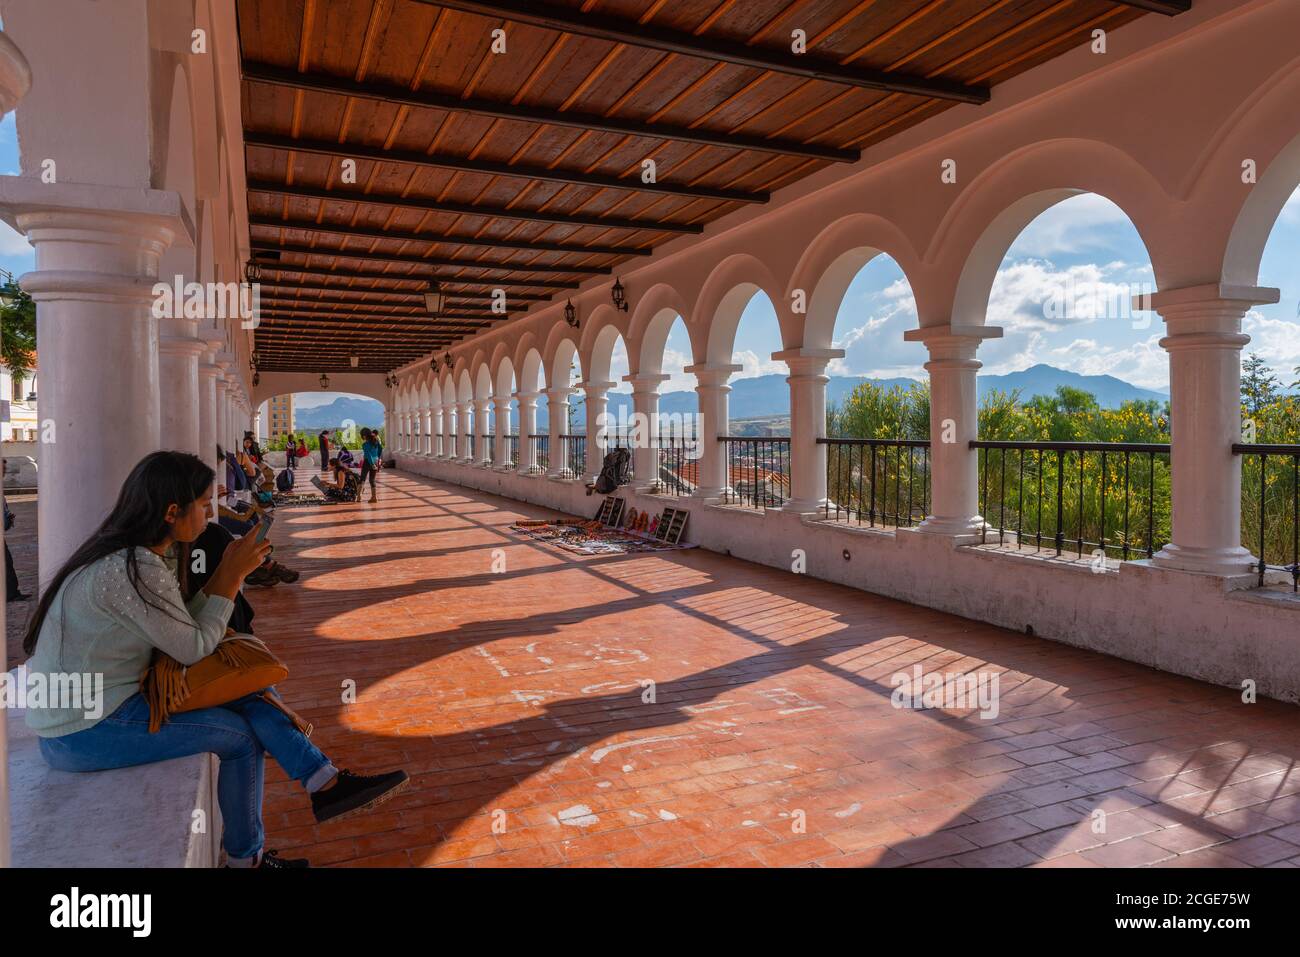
x=372 y=454
x=291 y=453
x=12 y=591
x=323 y=441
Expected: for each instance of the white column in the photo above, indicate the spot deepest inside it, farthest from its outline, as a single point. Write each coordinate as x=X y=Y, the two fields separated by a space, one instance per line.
x=557 y=426
x=436 y=432
x=15 y=80
x=645 y=435
x=223 y=410
x=527 y=428
x=388 y=430
x=954 y=424
x=501 y=450
x=179 y=349
x=807 y=381
x=1204 y=343
x=97 y=253
x=482 y=443
x=208 y=373
x=466 y=424
x=597 y=402
x=449 y=427
x=712 y=390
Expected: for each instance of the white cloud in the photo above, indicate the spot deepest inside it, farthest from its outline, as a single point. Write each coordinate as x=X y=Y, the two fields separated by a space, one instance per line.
x=1071 y=226
x=1034 y=294
x=1291 y=211
x=13 y=243
x=1276 y=340
x=674 y=362
x=755 y=366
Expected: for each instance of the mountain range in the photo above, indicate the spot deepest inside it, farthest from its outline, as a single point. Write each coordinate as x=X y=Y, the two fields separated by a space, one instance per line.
x=354 y=408
x=769 y=395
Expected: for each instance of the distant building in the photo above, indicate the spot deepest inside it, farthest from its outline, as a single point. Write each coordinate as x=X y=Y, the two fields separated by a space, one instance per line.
x=18 y=406
x=279 y=411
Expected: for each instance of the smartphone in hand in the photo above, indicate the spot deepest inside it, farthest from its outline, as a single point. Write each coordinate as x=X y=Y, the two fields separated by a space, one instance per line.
x=264 y=527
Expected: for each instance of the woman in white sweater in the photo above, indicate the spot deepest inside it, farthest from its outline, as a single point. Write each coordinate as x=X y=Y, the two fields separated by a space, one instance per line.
x=115 y=602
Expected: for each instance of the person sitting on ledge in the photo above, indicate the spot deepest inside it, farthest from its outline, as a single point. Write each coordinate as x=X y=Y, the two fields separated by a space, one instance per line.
x=115 y=602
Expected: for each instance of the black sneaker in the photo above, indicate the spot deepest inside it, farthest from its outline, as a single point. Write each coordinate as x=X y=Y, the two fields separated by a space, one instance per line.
x=273 y=860
x=261 y=576
x=351 y=793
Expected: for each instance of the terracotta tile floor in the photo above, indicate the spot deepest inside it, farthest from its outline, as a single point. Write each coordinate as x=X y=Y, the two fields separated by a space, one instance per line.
x=517 y=700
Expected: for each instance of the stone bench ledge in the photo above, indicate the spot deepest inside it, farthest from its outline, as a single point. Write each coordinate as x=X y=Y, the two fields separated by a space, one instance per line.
x=129 y=817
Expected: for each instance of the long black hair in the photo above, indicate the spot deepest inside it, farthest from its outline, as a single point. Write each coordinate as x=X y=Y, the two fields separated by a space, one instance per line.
x=138 y=520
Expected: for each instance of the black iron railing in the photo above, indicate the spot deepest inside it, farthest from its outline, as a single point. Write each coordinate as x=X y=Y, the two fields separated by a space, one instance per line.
x=678 y=465
x=873 y=482
x=540 y=446
x=1270 y=506
x=1111 y=497
x=512 y=450
x=758 y=470
x=573 y=451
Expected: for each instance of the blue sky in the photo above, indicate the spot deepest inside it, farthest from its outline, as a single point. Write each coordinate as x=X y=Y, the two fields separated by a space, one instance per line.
x=1085 y=243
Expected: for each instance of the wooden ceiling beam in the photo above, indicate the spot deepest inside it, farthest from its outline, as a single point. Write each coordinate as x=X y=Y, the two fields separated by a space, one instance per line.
x=487 y=242
x=550 y=16
x=464 y=164
x=360 y=292
x=304 y=249
x=423 y=205
x=443 y=278
x=365 y=324
x=1170 y=8
x=531 y=113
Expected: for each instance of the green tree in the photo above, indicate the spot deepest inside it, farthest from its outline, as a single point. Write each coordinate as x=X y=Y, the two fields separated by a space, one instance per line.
x=1259 y=386
x=17 y=328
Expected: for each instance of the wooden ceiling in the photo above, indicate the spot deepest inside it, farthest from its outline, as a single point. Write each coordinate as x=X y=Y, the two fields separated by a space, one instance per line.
x=523 y=170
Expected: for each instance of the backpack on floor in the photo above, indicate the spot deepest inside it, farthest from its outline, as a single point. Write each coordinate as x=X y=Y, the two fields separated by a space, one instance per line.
x=616 y=471
x=284 y=481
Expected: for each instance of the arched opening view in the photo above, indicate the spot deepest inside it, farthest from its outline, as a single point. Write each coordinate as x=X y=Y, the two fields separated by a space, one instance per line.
x=1074 y=407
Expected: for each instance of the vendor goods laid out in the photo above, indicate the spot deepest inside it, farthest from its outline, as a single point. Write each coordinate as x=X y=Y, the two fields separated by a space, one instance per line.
x=615 y=530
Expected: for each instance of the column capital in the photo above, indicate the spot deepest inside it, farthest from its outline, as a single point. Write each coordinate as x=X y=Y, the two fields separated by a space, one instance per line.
x=952 y=344
x=596 y=388
x=646 y=382
x=807 y=362
x=100 y=242
x=177 y=337
x=558 y=394
x=527 y=397
x=713 y=375
x=1206 y=316
x=1207 y=296
x=214 y=342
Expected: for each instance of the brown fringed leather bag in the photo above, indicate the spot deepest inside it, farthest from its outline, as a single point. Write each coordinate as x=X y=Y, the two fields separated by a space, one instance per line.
x=241 y=665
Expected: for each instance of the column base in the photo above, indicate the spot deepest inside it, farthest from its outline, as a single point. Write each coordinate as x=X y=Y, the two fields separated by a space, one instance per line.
x=804 y=507
x=709 y=495
x=1208 y=561
x=963 y=531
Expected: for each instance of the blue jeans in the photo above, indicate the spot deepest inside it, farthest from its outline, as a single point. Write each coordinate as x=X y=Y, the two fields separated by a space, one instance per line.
x=238 y=733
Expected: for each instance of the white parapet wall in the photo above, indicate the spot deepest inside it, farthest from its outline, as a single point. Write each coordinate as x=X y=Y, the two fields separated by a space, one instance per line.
x=1220 y=630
